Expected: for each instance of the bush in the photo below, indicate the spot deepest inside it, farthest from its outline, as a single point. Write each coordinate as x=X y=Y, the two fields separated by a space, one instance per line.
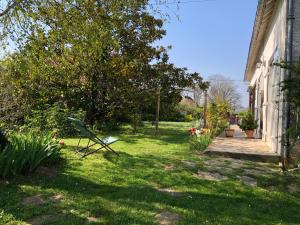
x=54 y=119
x=248 y=122
x=189 y=110
x=189 y=118
x=26 y=152
x=217 y=117
x=200 y=143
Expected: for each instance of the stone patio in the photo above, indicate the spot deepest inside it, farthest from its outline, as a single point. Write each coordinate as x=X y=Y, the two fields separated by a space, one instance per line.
x=241 y=148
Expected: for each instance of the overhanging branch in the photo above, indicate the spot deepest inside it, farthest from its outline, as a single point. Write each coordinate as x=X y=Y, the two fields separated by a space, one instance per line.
x=9 y=7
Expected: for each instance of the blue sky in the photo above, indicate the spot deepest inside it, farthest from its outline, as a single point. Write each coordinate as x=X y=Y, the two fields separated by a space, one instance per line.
x=212 y=37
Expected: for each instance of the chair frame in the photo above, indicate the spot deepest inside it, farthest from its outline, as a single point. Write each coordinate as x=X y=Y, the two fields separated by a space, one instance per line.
x=83 y=151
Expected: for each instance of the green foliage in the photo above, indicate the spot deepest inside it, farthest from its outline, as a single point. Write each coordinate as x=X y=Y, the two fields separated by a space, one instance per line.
x=101 y=62
x=187 y=111
x=243 y=114
x=172 y=115
x=200 y=143
x=189 y=118
x=292 y=88
x=217 y=117
x=53 y=120
x=248 y=122
x=26 y=152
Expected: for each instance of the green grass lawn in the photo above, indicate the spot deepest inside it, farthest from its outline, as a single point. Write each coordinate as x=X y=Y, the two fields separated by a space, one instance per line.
x=106 y=189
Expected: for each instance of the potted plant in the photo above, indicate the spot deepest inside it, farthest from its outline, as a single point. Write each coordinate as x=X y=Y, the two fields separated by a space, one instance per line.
x=248 y=125
x=229 y=132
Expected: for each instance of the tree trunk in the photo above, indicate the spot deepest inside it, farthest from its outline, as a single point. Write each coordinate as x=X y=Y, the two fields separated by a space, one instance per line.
x=205 y=110
x=157 y=113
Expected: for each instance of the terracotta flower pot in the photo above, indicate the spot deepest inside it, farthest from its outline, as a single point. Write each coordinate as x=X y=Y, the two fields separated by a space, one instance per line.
x=249 y=134
x=229 y=132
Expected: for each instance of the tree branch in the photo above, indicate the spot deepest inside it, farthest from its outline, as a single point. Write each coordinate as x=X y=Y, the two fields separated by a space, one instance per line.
x=9 y=7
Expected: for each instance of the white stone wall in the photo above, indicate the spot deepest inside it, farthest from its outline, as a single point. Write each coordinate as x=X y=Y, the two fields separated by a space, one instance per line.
x=296 y=36
x=267 y=78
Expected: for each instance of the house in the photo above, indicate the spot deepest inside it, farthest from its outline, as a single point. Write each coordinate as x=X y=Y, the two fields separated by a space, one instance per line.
x=275 y=38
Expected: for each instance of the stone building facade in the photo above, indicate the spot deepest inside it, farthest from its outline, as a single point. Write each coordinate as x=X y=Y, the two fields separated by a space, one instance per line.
x=270 y=44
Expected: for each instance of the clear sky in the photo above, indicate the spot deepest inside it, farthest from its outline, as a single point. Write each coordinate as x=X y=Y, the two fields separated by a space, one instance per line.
x=212 y=37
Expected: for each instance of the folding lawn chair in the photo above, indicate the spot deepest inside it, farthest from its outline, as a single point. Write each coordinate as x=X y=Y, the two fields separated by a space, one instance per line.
x=93 y=140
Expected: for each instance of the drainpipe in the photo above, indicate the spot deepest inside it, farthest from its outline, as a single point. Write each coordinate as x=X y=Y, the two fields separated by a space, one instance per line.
x=288 y=74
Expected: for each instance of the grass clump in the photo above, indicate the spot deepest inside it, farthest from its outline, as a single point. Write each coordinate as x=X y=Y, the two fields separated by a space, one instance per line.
x=25 y=152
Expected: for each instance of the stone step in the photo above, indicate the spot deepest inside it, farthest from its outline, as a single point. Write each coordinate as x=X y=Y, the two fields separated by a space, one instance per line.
x=261 y=157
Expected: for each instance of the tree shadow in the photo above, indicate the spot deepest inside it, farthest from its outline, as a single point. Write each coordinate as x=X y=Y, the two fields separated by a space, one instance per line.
x=241 y=207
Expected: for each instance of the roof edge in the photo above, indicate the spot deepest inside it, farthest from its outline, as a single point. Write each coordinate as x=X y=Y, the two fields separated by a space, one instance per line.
x=264 y=13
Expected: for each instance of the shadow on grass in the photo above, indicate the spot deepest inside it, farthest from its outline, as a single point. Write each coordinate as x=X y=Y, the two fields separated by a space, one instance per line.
x=137 y=201
x=88 y=196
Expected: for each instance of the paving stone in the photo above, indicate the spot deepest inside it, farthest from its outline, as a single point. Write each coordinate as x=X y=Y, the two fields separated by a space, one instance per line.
x=56 y=198
x=170 y=192
x=170 y=167
x=210 y=176
x=292 y=188
x=46 y=171
x=253 y=172
x=214 y=162
x=167 y=218
x=221 y=170
x=91 y=219
x=34 y=200
x=43 y=219
x=271 y=170
x=249 y=181
x=189 y=164
x=271 y=188
x=236 y=165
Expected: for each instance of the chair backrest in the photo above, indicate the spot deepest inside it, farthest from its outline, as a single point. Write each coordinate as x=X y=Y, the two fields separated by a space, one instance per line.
x=83 y=130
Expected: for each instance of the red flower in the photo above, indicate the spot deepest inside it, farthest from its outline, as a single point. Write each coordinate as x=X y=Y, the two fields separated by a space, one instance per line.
x=192 y=131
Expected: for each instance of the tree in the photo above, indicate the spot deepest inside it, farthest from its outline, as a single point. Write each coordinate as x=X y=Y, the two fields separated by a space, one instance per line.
x=93 y=55
x=221 y=89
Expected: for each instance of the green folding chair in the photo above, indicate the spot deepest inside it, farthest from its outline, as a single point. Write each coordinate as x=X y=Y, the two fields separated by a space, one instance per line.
x=93 y=140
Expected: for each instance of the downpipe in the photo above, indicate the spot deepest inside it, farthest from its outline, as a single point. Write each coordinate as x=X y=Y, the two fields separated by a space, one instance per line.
x=288 y=74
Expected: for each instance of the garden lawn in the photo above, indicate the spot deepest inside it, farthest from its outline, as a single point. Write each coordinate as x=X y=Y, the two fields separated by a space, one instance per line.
x=151 y=176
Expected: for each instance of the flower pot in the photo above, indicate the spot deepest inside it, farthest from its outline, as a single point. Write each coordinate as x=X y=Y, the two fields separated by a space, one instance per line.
x=249 y=134
x=229 y=132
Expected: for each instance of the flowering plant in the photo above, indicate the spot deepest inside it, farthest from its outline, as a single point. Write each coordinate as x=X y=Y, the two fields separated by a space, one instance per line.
x=192 y=131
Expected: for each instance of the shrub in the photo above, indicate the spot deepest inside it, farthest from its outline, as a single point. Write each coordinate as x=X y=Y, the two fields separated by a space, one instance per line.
x=26 y=152
x=189 y=118
x=217 y=117
x=190 y=110
x=53 y=119
x=243 y=114
x=248 y=122
x=201 y=142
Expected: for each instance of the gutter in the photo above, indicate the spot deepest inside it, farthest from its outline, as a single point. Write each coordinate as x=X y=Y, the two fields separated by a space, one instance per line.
x=287 y=76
